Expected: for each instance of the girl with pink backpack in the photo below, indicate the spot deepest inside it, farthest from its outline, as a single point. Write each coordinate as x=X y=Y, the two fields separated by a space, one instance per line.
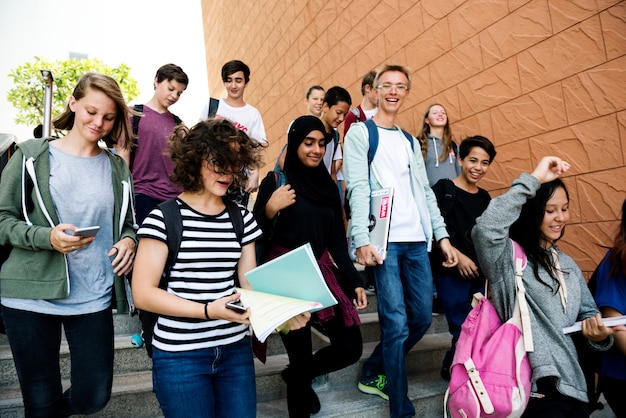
x=534 y=213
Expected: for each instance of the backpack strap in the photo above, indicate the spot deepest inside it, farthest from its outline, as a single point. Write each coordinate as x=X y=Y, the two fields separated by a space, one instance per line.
x=372 y=131
x=448 y=197
x=520 y=264
x=234 y=212
x=213 y=105
x=174 y=232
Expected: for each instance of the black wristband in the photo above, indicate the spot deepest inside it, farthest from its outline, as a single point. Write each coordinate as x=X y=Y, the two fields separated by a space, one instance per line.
x=206 y=311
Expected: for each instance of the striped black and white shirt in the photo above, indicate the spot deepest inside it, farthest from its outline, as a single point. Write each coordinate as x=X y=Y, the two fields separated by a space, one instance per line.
x=203 y=272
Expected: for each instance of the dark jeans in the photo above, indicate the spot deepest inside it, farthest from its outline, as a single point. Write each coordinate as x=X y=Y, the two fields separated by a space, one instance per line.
x=553 y=404
x=35 y=341
x=346 y=347
x=455 y=296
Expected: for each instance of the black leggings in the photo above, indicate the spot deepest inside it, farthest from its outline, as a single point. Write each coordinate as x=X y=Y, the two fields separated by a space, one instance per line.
x=554 y=404
x=614 y=391
x=346 y=347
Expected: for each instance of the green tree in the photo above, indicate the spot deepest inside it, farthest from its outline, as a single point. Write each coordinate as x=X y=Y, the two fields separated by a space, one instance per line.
x=27 y=94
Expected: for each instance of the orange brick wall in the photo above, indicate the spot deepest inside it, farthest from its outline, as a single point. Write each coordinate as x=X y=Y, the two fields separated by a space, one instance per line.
x=536 y=77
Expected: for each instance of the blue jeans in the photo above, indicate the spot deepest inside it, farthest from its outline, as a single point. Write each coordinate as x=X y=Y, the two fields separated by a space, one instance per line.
x=455 y=295
x=212 y=382
x=35 y=340
x=404 y=291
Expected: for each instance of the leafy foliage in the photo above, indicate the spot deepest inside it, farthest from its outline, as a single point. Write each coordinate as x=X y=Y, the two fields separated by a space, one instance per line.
x=27 y=94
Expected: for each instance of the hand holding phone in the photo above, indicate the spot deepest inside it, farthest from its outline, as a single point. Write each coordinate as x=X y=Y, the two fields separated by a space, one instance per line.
x=237 y=306
x=89 y=231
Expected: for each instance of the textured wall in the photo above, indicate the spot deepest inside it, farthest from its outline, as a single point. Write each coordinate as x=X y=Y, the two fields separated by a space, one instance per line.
x=536 y=77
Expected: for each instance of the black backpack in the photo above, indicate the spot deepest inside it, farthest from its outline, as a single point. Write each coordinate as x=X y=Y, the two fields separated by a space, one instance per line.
x=136 y=118
x=174 y=228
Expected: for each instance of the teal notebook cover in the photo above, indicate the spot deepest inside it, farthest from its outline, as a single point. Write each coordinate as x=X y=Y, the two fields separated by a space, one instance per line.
x=294 y=274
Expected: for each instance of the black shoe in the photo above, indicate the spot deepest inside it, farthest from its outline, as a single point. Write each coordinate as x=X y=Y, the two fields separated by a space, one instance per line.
x=445 y=373
x=315 y=401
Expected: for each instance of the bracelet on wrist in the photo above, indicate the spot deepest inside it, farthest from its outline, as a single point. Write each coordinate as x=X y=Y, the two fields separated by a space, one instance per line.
x=206 y=311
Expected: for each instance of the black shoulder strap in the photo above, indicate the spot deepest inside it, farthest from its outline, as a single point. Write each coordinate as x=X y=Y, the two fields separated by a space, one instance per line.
x=448 y=197
x=174 y=231
x=213 y=105
x=136 y=118
x=137 y=108
x=234 y=212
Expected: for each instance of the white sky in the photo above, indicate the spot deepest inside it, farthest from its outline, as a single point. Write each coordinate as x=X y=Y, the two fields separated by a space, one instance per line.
x=144 y=34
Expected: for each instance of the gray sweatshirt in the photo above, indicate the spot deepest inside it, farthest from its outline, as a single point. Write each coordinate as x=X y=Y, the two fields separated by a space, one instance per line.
x=554 y=354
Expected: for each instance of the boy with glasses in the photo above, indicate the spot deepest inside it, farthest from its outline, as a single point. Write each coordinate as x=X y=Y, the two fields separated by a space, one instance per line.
x=404 y=280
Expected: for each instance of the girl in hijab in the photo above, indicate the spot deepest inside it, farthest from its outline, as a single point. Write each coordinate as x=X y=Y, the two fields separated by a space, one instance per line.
x=307 y=209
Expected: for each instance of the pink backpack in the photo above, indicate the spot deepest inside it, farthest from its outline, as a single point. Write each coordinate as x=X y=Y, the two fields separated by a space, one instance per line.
x=490 y=372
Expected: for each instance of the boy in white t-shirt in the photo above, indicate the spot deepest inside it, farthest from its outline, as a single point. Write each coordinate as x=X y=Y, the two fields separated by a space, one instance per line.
x=236 y=75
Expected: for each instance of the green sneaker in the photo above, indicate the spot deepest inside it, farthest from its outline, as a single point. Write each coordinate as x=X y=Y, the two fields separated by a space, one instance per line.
x=375 y=386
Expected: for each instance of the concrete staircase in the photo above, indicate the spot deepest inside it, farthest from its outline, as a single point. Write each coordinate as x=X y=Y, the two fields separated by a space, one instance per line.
x=132 y=386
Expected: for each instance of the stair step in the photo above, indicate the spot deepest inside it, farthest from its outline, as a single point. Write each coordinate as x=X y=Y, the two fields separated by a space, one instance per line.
x=425 y=391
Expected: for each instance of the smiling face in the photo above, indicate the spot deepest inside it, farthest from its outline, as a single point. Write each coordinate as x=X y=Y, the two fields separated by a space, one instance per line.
x=312 y=148
x=314 y=102
x=332 y=116
x=391 y=99
x=95 y=115
x=556 y=216
x=474 y=166
x=436 y=117
x=235 y=85
x=168 y=92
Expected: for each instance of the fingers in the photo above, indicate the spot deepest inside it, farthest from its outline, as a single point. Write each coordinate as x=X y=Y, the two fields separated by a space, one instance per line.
x=123 y=254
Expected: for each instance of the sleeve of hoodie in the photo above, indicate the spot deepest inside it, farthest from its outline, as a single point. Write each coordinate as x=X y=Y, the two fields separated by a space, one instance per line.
x=494 y=250
x=13 y=230
x=355 y=171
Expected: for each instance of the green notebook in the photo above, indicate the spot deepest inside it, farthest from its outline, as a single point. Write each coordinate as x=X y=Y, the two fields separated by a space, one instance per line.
x=295 y=275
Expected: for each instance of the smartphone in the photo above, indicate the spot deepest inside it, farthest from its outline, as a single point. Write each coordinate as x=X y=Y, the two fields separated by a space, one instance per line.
x=89 y=231
x=236 y=306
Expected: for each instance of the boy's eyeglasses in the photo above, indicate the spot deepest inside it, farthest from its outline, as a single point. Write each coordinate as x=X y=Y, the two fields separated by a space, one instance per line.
x=389 y=87
x=214 y=165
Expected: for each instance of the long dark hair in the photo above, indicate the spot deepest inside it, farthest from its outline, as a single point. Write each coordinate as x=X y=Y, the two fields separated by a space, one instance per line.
x=617 y=256
x=526 y=230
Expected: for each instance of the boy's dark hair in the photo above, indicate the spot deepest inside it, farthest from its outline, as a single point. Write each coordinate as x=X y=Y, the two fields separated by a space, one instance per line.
x=368 y=80
x=526 y=230
x=310 y=90
x=172 y=72
x=337 y=94
x=231 y=67
x=217 y=139
x=477 y=141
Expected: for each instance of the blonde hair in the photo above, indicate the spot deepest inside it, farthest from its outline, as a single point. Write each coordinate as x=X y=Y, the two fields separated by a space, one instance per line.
x=107 y=85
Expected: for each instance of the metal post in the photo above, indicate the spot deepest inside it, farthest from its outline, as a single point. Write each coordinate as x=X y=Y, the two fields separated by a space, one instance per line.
x=47 y=102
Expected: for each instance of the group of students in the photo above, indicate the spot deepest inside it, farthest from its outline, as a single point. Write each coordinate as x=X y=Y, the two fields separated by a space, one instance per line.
x=202 y=358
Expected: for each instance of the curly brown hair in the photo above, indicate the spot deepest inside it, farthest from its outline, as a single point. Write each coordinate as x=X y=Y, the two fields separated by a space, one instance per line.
x=215 y=138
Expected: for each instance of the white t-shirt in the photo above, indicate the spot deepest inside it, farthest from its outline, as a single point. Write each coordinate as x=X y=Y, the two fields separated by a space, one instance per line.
x=391 y=168
x=246 y=118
